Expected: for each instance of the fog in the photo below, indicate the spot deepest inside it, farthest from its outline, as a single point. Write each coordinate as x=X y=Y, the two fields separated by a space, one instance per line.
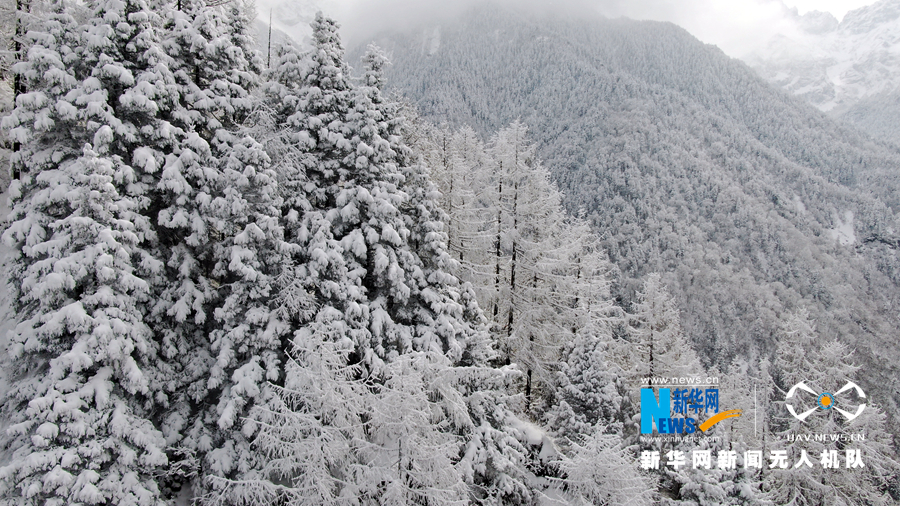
x=736 y=26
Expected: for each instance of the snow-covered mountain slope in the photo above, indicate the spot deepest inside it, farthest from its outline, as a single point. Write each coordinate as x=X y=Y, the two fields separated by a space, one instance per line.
x=849 y=69
x=751 y=203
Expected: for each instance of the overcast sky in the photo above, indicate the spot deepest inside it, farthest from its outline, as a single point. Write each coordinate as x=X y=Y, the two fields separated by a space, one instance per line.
x=736 y=26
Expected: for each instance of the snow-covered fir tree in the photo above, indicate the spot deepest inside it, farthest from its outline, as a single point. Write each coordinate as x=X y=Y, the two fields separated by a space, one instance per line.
x=81 y=436
x=82 y=397
x=379 y=317
x=352 y=224
x=589 y=391
x=221 y=239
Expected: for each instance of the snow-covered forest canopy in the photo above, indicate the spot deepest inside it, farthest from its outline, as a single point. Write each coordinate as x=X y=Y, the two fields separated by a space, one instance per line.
x=750 y=204
x=245 y=279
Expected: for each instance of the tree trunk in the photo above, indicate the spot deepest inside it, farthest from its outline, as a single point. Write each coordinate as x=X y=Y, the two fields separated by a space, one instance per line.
x=18 y=86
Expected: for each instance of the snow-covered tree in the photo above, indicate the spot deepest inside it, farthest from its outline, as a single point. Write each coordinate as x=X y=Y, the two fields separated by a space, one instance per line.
x=49 y=71
x=334 y=435
x=588 y=408
x=220 y=234
x=534 y=270
x=81 y=432
x=459 y=160
x=354 y=226
x=309 y=99
x=589 y=392
x=657 y=345
x=601 y=471
x=85 y=380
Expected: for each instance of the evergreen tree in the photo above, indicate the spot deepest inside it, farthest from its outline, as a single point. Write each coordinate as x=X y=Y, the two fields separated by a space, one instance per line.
x=81 y=347
x=85 y=383
x=82 y=436
x=397 y=322
x=589 y=391
x=310 y=100
x=223 y=244
x=588 y=409
x=353 y=225
x=442 y=308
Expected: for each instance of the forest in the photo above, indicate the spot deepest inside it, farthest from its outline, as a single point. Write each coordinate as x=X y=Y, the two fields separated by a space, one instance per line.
x=687 y=164
x=238 y=280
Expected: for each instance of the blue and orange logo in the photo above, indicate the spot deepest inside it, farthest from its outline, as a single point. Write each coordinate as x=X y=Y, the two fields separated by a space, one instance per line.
x=824 y=401
x=688 y=403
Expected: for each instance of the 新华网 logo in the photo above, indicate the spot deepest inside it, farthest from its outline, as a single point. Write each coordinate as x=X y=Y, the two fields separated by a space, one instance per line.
x=676 y=411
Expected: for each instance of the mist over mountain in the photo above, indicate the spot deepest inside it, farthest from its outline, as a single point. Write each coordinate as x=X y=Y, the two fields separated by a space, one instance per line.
x=849 y=69
x=749 y=202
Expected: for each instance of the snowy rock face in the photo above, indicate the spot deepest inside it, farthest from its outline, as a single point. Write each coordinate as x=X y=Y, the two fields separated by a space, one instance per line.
x=850 y=69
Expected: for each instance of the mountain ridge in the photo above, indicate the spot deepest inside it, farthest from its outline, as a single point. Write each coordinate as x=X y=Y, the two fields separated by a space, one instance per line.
x=687 y=164
x=843 y=68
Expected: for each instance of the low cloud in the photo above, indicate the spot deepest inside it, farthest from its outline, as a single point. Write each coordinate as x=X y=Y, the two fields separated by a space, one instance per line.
x=736 y=26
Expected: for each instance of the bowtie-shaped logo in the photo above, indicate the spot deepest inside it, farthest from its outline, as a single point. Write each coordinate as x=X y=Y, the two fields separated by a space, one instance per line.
x=826 y=401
